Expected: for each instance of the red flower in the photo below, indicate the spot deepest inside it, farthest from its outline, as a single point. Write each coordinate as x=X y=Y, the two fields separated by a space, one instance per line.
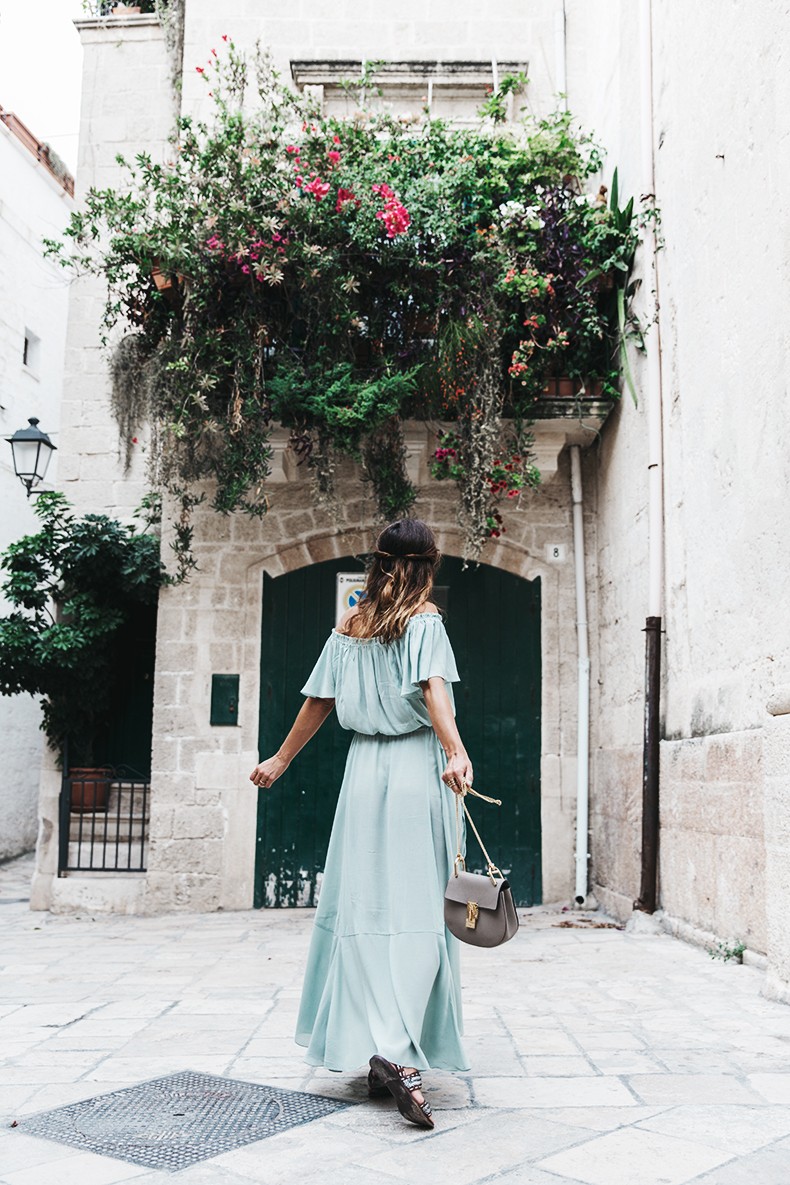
x=134 y=440
x=224 y=37
x=333 y=157
x=200 y=70
x=318 y=188
x=335 y=139
x=343 y=197
x=293 y=149
x=395 y=216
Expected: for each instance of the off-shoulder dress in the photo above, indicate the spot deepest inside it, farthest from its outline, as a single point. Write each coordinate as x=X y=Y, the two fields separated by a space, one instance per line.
x=382 y=973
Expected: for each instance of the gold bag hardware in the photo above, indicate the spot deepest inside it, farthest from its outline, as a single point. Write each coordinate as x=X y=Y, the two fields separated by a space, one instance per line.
x=471 y=914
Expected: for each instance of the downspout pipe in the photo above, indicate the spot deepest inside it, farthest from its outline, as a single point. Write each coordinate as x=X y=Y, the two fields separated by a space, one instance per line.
x=583 y=712
x=648 y=892
x=581 y=880
x=560 y=54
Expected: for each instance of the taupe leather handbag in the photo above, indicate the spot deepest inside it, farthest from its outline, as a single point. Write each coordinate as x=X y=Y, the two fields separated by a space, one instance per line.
x=478 y=908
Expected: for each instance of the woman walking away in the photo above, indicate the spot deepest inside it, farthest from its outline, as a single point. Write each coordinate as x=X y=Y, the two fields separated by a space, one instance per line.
x=382 y=981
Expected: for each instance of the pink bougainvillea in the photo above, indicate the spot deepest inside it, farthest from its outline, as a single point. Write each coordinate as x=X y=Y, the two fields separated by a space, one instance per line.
x=318 y=188
x=395 y=216
x=344 y=197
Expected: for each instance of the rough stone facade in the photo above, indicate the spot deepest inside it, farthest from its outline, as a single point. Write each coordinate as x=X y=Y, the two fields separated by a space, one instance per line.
x=723 y=292
x=726 y=437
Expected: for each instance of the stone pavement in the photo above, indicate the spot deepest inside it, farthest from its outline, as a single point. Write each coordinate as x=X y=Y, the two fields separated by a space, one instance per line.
x=599 y=1057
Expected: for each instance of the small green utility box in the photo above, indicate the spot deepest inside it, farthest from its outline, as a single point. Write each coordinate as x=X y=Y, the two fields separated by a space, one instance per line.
x=224 y=699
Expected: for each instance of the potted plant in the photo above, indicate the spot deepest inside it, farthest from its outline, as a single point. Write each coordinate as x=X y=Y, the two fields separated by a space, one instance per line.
x=72 y=587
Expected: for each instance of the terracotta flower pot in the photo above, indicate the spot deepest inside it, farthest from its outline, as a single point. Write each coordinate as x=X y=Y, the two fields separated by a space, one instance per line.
x=90 y=789
x=168 y=285
x=126 y=9
x=560 y=388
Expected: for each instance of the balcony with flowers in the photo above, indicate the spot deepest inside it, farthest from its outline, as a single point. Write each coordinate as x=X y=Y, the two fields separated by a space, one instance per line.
x=339 y=277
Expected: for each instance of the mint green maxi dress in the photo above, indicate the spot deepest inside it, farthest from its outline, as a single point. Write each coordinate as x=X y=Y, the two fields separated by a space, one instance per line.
x=382 y=973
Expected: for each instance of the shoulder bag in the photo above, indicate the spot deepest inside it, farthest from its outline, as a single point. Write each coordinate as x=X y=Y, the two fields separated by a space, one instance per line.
x=478 y=908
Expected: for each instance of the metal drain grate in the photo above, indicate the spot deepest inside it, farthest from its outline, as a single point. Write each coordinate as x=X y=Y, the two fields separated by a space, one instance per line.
x=172 y=1122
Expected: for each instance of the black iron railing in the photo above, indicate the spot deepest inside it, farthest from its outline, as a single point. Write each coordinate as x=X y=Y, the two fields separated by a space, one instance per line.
x=104 y=816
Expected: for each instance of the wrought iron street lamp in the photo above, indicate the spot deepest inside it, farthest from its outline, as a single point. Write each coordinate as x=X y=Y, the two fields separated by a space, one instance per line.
x=32 y=451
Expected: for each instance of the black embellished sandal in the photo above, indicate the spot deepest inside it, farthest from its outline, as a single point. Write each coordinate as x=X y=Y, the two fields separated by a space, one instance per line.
x=376 y=1089
x=386 y=1075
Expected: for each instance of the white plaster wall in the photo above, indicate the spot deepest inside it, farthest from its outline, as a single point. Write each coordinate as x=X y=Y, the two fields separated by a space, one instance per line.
x=722 y=177
x=33 y=296
x=127 y=108
x=412 y=30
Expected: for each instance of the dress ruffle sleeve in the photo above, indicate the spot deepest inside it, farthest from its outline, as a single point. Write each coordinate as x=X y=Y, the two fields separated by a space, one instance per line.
x=428 y=652
x=322 y=683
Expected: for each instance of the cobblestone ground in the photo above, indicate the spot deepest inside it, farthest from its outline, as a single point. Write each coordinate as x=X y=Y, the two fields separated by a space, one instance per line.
x=598 y=1056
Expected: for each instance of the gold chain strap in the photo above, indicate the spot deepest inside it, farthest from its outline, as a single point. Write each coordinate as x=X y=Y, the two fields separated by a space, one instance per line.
x=465 y=789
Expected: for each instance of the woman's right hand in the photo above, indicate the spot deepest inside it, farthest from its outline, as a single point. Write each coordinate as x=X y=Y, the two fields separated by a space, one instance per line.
x=269 y=770
x=458 y=772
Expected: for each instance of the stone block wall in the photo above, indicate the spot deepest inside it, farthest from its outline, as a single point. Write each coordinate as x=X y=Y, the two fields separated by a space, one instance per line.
x=726 y=589
x=203 y=805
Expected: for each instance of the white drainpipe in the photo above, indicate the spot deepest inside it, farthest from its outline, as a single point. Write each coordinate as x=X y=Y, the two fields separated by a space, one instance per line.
x=653 y=401
x=560 y=69
x=582 y=635
x=583 y=713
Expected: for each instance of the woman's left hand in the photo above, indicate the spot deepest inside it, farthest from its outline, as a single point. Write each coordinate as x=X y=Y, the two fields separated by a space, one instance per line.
x=458 y=773
x=269 y=771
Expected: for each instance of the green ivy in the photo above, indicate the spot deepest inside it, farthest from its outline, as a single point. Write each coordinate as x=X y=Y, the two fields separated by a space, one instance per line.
x=72 y=586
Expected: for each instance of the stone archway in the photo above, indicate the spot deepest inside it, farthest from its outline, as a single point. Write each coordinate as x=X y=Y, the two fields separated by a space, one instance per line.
x=493 y=618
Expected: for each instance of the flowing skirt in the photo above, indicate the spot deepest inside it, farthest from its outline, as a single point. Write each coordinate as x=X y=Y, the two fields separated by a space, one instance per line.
x=383 y=971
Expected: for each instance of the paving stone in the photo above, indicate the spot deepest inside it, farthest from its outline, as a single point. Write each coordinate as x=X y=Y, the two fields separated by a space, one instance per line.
x=467 y=1154
x=20 y=1151
x=600 y=1119
x=736 y=1129
x=303 y=1155
x=543 y=1042
x=555 y=1066
x=691 y=1088
x=82 y=1169
x=633 y=1155
x=626 y=1061
x=769 y=1166
x=552 y=1092
x=773 y=1087
x=528 y=1174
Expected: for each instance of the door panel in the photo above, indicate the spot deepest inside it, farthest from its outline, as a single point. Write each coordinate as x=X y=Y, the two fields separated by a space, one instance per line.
x=493 y=620
x=295 y=816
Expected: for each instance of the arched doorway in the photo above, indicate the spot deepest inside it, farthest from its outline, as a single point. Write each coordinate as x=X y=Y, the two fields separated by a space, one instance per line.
x=493 y=620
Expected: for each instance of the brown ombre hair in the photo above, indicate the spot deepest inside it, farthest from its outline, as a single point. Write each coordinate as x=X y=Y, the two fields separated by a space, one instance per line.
x=400 y=579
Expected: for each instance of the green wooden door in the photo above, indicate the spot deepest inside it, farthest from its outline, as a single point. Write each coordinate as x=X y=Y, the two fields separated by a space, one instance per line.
x=493 y=619
x=295 y=817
